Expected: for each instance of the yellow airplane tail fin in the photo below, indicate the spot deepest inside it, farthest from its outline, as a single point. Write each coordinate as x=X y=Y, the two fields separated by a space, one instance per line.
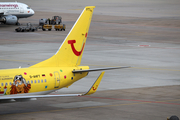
x=71 y=50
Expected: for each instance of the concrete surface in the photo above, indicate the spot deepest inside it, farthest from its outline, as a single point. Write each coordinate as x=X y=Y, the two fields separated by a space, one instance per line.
x=142 y=34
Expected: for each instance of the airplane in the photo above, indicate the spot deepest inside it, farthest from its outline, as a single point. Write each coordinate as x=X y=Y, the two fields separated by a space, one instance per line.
x=59 y=71
x=10 y=12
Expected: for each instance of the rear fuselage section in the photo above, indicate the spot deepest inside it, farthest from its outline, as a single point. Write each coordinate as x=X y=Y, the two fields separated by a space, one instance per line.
x=38 y=80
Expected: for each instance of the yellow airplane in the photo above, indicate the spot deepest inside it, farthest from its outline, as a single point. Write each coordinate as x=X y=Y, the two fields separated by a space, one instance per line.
x=59 y=71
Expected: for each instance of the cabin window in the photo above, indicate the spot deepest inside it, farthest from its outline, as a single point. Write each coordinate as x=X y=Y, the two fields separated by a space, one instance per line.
x=45 y=80
x=6 y=84
x=2 y=84
x=31 y=81
x=42 y=80
x=34 y=81
x=28 y=8
x=10 y=83
x=38 y=81
x=28 y=82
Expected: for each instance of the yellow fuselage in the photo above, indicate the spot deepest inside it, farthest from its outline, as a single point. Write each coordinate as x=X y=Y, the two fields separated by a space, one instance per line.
x=38 y=80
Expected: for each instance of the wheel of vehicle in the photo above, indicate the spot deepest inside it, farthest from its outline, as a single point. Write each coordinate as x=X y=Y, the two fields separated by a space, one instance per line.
x=64 y=27
x=174 y=118
x=49 y=29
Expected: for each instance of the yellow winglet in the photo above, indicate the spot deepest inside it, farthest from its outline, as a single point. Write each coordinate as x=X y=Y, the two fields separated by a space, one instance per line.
x=95 y=85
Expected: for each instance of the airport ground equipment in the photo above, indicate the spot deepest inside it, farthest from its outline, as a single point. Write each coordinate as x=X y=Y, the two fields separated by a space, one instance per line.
x=44 y=27
x=60 y=27
x=56 y=20
x=28 y=28
x=43 y=21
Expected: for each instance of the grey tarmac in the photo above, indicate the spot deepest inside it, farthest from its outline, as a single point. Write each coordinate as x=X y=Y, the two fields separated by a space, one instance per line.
x=143 y=34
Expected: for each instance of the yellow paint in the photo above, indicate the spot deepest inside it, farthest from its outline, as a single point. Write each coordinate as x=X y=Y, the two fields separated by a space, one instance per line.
x=64 y=56
x=55 y=72
x=95 y=85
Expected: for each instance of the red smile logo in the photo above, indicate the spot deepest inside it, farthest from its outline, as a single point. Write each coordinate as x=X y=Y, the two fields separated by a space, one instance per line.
x=94 y=88
x=77 y=53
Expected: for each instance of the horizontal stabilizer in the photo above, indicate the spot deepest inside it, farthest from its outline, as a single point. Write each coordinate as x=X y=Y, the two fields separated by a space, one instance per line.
x=99 y=69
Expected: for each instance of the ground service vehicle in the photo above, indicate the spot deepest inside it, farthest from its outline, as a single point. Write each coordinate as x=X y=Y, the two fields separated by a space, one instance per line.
x=60 y=27
x=44 y=27
x=56 y=20
x=27 y=28
x=43 y=21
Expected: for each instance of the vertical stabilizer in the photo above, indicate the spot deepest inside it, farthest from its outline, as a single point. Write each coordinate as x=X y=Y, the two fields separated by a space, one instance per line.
x=71 y=50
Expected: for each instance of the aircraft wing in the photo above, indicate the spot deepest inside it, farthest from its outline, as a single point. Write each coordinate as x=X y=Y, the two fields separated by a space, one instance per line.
x=99 y=69
x=10 y=98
